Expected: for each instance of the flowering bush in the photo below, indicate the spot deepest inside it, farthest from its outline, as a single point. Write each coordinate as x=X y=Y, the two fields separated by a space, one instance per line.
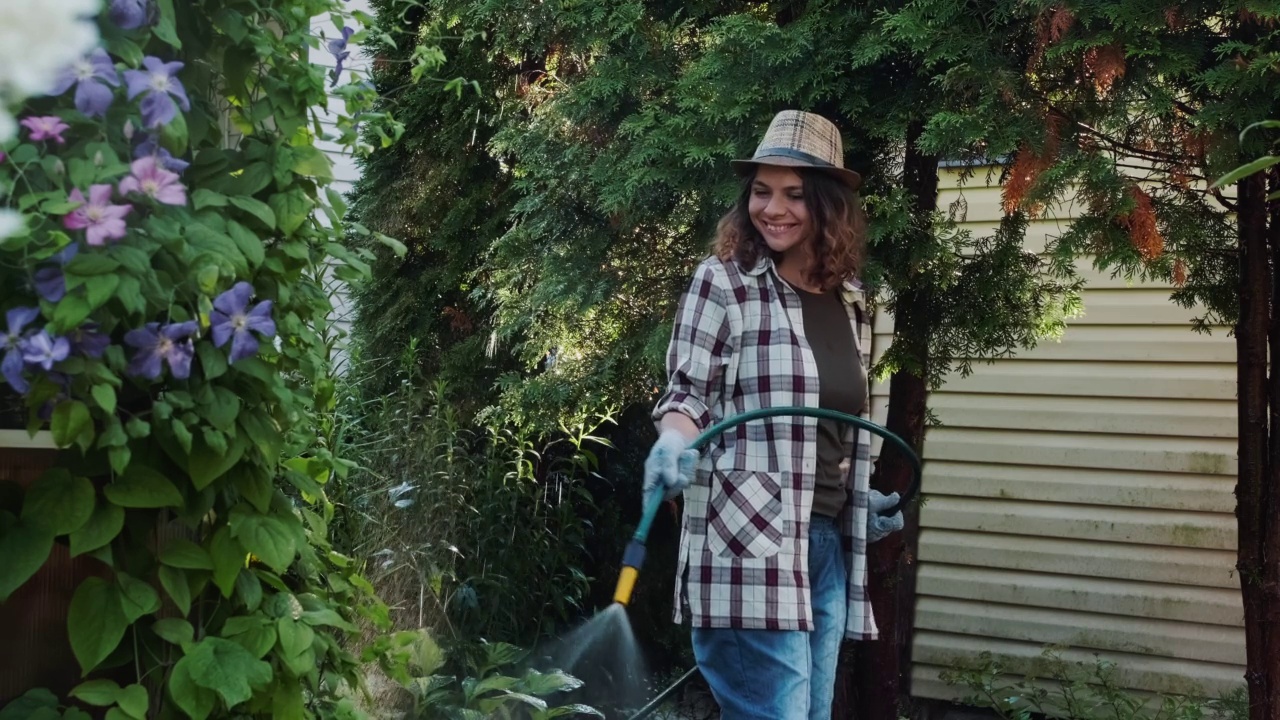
x=164 y=234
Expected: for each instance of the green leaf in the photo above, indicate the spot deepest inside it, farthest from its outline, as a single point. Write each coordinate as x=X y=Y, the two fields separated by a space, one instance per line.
x=119 y=457
x=197 y=702
x=228 y=669
x=32 y=702
x=165 y=27
x=88 y=264
x=223 y=410
x=137 y=598
x=175 y=135
x=24 y=548
x=137 y=428
x=295 y=637
x=254 y=633
x=59 y=502
x=70 y=312
x=143 y=487
x=213 y=360
x=572 y=710
x=326 y=616
x=1246 y=170
x=218 y=246
x=127 y=50
x=113 y=434
x=228 y=560
x=183 y=437
x=291 y=209
x=182 y=553
x=206 y=465
x=309 y=160
x=396 y=246
x=204 y=198
x=174 y=582
x=95 y=622
x=99 y=693
x=249 y=589
x=71 y=420
x=256 y=208
x=248 y=243
x=265 y=536
x=259 y=427
x=336 y=201
x=286 y=702
x=1267 y=124
x=99 y=289
x=549 y=683
x=174 y=630
x=104 y=525
x=252 y=179
x=134 y=701
x=254 y=484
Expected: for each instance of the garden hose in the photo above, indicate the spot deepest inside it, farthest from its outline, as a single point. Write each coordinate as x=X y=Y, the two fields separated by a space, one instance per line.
x=633 y=556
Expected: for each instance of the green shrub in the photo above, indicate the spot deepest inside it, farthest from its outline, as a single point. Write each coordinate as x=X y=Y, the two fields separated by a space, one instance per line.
x=471 y=531
x=415 y=661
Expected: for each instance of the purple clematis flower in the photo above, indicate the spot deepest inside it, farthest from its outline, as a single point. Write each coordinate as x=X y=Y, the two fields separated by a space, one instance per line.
x=43 y=350
x=88 y=75
x=152 y=180
x=149 y=147
x=162 y=89
x=17 y=319
x=46 y=127
x=100 y=220
x=232 y=319
x=157 y=345
x=50 y=283
x=88 y=340
x=129 y=14
x=338 y=48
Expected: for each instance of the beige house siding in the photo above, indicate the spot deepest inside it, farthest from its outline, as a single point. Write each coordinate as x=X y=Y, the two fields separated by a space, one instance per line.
x=1080 y=494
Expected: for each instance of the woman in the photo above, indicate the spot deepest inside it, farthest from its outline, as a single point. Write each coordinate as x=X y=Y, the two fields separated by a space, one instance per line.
x=772 y=565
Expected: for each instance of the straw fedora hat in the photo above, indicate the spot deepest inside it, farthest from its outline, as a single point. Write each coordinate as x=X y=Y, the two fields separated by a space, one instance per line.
x=801 y=139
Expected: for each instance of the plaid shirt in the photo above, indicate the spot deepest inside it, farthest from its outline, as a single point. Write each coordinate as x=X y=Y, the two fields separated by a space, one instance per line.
x=738 y=345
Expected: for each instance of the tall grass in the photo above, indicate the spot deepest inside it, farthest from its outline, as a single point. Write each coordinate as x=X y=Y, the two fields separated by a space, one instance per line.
x=473 y=532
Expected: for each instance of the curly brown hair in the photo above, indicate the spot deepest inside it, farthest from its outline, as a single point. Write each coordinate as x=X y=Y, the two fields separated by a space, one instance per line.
x=839 y=222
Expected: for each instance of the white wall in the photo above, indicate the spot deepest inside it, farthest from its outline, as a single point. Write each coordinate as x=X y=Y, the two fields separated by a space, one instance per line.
x=345 y=170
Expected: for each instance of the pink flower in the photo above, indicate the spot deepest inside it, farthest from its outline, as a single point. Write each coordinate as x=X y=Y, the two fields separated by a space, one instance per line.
x=46 y=127
x=152 y=180
x=100 y=220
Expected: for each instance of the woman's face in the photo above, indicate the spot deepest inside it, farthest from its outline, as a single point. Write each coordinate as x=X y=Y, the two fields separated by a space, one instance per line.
x=778 y=210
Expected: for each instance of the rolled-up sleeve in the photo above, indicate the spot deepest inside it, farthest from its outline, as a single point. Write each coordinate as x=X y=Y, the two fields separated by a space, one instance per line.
x=701 y=345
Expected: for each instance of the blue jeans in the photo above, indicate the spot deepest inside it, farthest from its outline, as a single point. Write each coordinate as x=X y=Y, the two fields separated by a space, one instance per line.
x=779 y=674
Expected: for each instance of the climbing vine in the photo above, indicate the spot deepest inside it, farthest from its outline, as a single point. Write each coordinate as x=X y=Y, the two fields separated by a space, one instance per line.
x=167 y=234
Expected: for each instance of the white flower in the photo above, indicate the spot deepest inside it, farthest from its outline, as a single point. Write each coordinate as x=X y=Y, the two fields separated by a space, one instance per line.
x=10 y=223
x=39 y=39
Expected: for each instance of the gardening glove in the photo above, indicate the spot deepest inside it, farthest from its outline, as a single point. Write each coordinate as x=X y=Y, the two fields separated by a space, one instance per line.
x=878 y=526
x=670 y=464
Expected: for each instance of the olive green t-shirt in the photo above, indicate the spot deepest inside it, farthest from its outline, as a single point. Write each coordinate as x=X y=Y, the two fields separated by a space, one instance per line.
x=842 y=386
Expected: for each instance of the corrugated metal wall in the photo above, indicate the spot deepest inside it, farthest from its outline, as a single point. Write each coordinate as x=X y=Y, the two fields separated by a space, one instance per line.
x=1081 y=494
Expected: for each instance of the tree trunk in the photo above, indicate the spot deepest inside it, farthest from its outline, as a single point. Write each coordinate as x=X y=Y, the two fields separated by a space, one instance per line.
x=877 y=679
x=1257 y=447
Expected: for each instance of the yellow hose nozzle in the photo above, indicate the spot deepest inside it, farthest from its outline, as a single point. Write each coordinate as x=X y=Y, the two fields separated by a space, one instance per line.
x=626 y=584
x=632 y=559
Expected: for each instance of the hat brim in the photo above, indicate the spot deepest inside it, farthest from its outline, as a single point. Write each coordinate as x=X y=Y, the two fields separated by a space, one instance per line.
x=848 y=177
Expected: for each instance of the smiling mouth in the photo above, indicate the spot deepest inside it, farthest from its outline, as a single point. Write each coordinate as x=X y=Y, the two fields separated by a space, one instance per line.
x=778 y=229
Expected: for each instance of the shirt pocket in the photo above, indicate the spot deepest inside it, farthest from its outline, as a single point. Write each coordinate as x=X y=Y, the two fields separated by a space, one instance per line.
x=745 y=517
